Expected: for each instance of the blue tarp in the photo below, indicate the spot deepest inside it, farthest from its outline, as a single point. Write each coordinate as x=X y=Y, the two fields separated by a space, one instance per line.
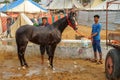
x=18 y=2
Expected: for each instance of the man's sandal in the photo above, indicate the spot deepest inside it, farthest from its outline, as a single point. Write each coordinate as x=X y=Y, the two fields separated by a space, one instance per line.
x=100 y=62
x=94 y=60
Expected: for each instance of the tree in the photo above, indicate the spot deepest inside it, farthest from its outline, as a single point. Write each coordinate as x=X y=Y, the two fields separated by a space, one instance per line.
x=14 y=0
x=37 y=0
x=6 y=1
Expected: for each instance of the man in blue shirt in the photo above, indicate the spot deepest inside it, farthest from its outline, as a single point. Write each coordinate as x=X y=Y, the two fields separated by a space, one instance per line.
x=95 y=37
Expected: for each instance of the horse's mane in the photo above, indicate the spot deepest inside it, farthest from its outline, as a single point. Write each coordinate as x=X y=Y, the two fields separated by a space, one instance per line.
x=59 y=21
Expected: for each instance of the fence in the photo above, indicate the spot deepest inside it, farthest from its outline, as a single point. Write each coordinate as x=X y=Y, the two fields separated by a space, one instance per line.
x=86 y=18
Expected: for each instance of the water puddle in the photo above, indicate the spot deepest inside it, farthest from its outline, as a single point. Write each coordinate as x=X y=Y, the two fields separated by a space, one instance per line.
x=7 y=75
x=38 y=70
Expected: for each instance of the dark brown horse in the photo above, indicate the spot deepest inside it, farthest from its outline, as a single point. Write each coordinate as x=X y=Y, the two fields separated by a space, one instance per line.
x=50 y=36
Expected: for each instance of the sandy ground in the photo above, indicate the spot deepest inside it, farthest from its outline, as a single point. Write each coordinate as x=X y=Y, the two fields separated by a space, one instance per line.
x=65 y=69
x=69 y=33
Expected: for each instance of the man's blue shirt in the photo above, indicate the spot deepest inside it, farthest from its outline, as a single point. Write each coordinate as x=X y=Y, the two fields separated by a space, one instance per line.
x=96 y=28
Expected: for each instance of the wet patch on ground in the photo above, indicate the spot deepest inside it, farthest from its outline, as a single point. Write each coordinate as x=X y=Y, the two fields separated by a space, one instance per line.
x=65 y=69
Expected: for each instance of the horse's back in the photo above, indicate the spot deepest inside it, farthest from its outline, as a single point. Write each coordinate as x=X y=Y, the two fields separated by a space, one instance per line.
x=38 y=35
x=24 y=32
x=24 y=28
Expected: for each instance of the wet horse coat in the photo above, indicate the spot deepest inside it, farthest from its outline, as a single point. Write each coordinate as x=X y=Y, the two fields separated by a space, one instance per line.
x=50 y=35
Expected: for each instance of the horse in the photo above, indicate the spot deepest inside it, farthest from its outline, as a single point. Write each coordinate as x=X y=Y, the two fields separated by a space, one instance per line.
x=50 y=36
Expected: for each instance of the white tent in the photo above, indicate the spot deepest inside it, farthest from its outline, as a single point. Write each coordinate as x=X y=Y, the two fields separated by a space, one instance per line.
x=3 y=15
x=1 y=5
x=22 y=20
x=96 y=2
x=65 y=4
x=44 y=2
x=103 y=5
x=23 y=6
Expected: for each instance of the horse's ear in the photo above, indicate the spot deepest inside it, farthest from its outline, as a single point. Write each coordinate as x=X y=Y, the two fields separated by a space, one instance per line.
x=71 y=14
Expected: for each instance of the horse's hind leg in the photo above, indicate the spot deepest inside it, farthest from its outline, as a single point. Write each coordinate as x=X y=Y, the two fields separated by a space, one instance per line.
x=21 y=52
x=51 y=54
x=20 y=58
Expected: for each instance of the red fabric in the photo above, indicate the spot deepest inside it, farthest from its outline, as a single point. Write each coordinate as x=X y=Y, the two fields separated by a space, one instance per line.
x=4 y=22
x=56 y=17
x=50 y=19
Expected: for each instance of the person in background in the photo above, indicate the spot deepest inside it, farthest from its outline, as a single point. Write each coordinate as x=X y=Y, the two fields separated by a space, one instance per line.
x=35 y=21
x=9 y=23
x=14 y=20
x=44 y=22
x=95 y=37
x=43 y=47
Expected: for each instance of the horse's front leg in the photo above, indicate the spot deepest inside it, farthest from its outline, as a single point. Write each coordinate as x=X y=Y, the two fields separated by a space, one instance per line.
x=48 y=52
x=51 y=54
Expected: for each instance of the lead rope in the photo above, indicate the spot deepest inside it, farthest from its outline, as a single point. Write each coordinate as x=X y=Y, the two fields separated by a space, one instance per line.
x=73 y=26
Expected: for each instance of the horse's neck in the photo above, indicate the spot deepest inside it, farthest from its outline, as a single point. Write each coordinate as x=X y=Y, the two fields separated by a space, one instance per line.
x=61 y=24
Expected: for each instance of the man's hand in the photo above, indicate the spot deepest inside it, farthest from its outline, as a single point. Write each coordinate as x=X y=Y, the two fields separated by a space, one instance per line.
x=90 y=37
x=79 y=33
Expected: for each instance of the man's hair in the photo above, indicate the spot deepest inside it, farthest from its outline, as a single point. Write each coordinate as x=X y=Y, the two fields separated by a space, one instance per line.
x=96 y=16
x=44 y=18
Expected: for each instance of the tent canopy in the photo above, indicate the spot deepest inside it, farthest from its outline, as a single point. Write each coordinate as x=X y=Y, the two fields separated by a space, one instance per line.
x=64 y=4
x=96 y=2
x=3 y=15
x=103 y=5
x=1 y=5
x=23 y=6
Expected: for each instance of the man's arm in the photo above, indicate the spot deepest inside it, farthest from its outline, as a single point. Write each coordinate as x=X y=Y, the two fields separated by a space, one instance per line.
x=92 y=35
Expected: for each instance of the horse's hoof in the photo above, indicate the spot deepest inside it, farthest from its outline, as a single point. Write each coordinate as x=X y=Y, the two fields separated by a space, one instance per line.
x=53 y=69
x=24 y=67
x=48 y=62
x=49 y=65
x=19 y=68
x=75 y=66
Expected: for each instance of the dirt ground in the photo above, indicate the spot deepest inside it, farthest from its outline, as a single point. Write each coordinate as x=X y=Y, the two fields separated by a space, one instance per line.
x=69 y=33
x=65 y=69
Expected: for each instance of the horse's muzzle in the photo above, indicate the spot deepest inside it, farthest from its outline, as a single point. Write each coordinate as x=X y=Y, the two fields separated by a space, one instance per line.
x=76 y=23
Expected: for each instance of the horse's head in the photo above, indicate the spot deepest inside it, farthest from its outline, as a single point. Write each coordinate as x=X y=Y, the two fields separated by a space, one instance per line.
x=71 y=18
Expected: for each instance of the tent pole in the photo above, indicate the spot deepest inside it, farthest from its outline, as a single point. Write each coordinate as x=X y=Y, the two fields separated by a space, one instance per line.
x=64 y=4
x=24 y=8
x=0 y=20
x=107 y=5
x=0 y=12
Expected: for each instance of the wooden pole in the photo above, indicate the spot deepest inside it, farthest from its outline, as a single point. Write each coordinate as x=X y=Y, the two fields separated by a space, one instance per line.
x=107 y=5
